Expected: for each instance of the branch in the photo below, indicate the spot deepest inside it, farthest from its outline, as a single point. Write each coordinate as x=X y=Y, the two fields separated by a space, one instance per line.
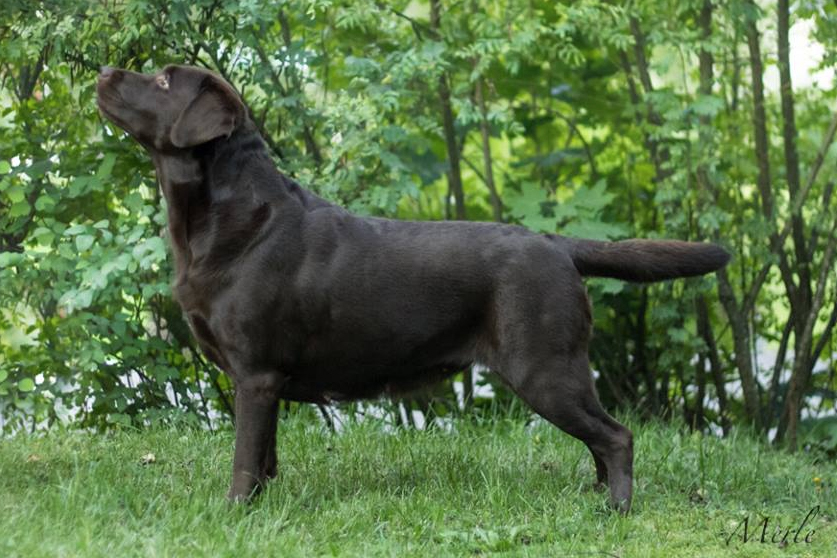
x=801 y=374
x=594 y=171
x=639 y=53
x=826 y=200
x=778 y=364
x=474 y=168
x=826 y=334
x=818 y=161
x=449 y=130
x=826 y=267
x=759 y=117
x=796 y=208
x=789 y=135
x=496 y=202
x=416 y=25
x=705 y=330
x=763 y=179
x=743 y=355
x=659 y=154
x=216 y=65
x=307 y=135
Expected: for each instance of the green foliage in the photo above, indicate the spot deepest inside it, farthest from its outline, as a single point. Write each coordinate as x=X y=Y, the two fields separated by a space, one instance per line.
x=821 y=434
x=580 y=214
x=346 y=95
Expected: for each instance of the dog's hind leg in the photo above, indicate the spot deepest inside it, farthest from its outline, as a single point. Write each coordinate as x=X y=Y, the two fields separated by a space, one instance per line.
x=561 y=390
x=601 y=470
x=268 y=469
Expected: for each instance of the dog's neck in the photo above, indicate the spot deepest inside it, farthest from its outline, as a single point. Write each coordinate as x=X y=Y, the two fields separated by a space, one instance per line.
x=236 y=173
x=180 y=179
x=240 y=168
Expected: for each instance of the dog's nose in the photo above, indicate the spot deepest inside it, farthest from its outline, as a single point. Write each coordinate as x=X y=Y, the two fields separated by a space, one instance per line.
x=105 y=71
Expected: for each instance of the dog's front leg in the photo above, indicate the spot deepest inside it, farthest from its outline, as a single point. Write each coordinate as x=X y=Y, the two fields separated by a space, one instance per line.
x=256 y=409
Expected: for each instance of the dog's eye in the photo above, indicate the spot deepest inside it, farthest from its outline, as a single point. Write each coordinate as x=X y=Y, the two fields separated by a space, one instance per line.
x=163 y=81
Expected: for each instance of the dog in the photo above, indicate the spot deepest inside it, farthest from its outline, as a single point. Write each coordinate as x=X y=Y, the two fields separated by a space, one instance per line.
x=296 y=298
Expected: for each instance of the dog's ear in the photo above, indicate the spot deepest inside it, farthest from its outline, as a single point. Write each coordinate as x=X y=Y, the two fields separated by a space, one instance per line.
x=214 y=112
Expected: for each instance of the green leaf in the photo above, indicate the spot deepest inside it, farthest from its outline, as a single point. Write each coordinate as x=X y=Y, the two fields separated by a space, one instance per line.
x=8 y=259
x=79 y=185
x=38 y=168
x=19 y=209
x=3 y=373
x=679 y=335
x=594 y=229
x=26 y=385
x=528 y=206
x=707 y=105
x=43 y=235
x=76 y=229
x=84 y=299
x=16 y=193
x=607 y=285
x=84 y=241
x=595 y=197
x=133 y=202
x=44 y=203
x=106 y=167
x=5 y=167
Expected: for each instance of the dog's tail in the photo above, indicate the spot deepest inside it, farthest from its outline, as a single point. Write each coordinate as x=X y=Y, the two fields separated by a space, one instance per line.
x=645 y=260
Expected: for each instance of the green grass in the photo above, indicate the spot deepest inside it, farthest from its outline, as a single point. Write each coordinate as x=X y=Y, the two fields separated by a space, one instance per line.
x=485 y=488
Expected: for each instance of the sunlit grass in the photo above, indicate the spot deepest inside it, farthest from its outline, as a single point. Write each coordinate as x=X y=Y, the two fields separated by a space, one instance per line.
x=482 y=488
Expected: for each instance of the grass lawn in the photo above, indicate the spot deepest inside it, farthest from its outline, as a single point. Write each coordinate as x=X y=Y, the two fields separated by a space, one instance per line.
x=492 y=487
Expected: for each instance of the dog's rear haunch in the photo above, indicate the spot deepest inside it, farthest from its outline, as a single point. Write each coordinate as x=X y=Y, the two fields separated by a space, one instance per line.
x=296 y=298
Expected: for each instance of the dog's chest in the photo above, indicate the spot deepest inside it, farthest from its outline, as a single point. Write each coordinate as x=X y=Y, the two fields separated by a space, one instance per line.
x=207 y=341
x=195 y=303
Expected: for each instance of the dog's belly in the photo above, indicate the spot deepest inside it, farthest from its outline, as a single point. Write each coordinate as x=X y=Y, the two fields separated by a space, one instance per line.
x=345 y=364
x=346 y=384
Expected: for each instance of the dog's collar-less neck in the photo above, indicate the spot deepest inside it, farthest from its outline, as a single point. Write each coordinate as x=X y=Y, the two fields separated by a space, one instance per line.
x=235 y=172
x=180 y=177
x=241 y=167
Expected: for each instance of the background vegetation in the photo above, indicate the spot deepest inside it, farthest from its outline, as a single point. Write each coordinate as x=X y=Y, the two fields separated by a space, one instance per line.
x=590 y=118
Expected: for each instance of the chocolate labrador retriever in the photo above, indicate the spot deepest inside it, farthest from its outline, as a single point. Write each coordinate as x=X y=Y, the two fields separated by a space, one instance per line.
x=296 y=298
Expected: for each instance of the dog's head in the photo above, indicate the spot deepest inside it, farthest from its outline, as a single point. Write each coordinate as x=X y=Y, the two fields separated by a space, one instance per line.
x=175 y=109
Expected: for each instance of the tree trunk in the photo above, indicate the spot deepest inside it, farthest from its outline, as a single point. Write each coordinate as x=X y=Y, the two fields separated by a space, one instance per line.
x=805 y=306
x=705 y=330
x=759 y=119
x=792 y=163
x=640 y=363
x=802 y=367
x=741 y=346
x=700 y=379
x=738 y=319
x=659 y=153
x=455 y=173
x=496 y=203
